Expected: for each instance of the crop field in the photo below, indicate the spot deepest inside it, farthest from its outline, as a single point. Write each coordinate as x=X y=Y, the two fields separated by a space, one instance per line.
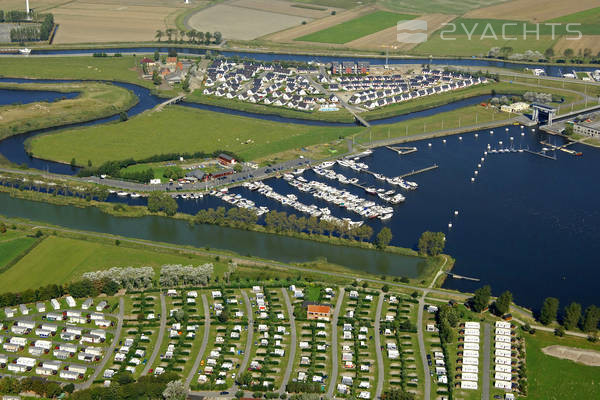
x=532 y=10
x=357 y=28
x=318 y=25
x=439 y=6
x=591 y=16
x=240 y=22
x=286 y=7
x=60 y=260
x=169 y=131
x=85 y=21
x=591 y=42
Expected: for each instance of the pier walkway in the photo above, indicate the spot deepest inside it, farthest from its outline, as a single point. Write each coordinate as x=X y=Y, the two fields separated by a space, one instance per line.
x=418 y=171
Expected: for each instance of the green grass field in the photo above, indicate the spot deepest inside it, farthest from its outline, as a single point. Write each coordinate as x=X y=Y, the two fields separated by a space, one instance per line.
x=180 y=129
x=11 y=248
x=60 y=260
x=587 y=17
x=88 y=67
x=356 y=28
x=551 y=378
x=436 y=6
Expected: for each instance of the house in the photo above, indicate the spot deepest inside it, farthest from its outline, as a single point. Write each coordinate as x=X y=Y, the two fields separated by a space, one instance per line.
x=24 y=310
x=55 y=304
x=10 y=312
x=69 y=375
x=226 y=159
x=315 y=311
x=101 y=306
x=87 y=304
x=40 y=307
x=70 y=301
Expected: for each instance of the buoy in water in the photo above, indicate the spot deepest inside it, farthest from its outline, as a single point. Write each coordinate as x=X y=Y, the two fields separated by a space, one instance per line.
x=478 y=165
x=491 y=132
x=429 y=144
x=482 y=157
x=522 y=127
x=500 y=142
x=512 y=138
x=506 y=129
x=472 y=179
x=450 y=225
x=476 y=135
x=456 y=212
x=460 y=138
x=522 y=133
x=444 y=140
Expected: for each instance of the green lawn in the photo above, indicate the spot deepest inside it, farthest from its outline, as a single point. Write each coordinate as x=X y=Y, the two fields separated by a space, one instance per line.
x=436 y=6
x=11 y=248
x=60 y=260
x=551 y=378
x=356 y=28
x=179 y=129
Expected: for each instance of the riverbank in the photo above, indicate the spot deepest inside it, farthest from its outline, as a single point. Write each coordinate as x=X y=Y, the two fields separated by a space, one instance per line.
x=95 y=101
x=83 y=199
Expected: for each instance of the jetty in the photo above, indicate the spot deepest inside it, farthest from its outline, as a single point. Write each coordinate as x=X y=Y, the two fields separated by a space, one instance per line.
x=456 y=276
x=418 y=171
x=561 y=148
x=541 y=154
x=402 y=150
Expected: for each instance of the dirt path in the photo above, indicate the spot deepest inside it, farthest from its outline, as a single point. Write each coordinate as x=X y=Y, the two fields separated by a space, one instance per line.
x=580 y=356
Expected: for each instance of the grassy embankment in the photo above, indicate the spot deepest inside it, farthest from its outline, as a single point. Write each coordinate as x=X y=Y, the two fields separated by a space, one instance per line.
x=178 y=129
x=96 y=100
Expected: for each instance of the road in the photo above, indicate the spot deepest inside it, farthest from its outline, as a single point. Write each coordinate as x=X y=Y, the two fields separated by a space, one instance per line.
x=485 y=384
x=161 y=334
x=334 y=344
x=427 y=383
x=204 y=344
x=111 y=348
x=250 y=337
x=377 y=333
x=293 y=344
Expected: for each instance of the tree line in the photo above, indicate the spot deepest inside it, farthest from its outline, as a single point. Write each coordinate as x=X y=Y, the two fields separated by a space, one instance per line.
x=572 y=317
x=39 y=28
x=281 y=222
x=193 y=36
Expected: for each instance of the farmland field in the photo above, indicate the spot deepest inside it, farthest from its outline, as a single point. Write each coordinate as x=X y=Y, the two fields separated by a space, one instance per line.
x=591 y=16
x=170 y=131
x=60 y=260
x=357 y=28
x=241 y=22
x=532 y=10
x=438 y=6
x=11 y=248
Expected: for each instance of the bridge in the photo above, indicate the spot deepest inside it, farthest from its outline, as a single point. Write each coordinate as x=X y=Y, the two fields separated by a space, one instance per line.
x=168 y=102
x=544 y=109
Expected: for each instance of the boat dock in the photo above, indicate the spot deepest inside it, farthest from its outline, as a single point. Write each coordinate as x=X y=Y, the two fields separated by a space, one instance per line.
x=456 y=276
x=418 y=171
x=402 y=150
x=561 y=148
x=541 y=154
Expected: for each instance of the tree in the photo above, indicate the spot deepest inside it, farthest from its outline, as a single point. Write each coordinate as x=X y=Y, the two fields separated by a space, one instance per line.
x=245 y=378
x=175 y=390
x=571 y=316
x=568 y=53
x=587 y=52
x=156 y=55
x=549 y=310
x=2 y=227
x=549 y=53
x=218 y=37
x=502 y=303
x=162 y=202
x=568 y=129
x=207 y=37
x=159 y=34
x=384 y=237
x=123 y=116
x=591 y=318
x=481 y=299
x=432 y=243
x=156 y=78
x=73 y=162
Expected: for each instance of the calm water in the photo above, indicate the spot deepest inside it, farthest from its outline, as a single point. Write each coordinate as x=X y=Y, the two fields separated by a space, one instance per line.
x=169 y=230
x=10 y=96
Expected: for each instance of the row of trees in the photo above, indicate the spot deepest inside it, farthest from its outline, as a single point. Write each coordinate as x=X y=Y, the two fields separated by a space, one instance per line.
x=124 y=387
x=25 y=33
x=179 y=275
x=128 y=277
x=281 y=222
x=432 y=243
x=39 y=29
x=193 y=36
x=41 y=387
x=572 y=317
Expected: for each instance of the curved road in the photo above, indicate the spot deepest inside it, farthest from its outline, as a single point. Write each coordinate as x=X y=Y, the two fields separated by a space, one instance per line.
x=292 y=355
x=250 y=338
x=334 y=347
x=380 y=367
x=111 y=348
x=161 y=334
x=200 y=355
